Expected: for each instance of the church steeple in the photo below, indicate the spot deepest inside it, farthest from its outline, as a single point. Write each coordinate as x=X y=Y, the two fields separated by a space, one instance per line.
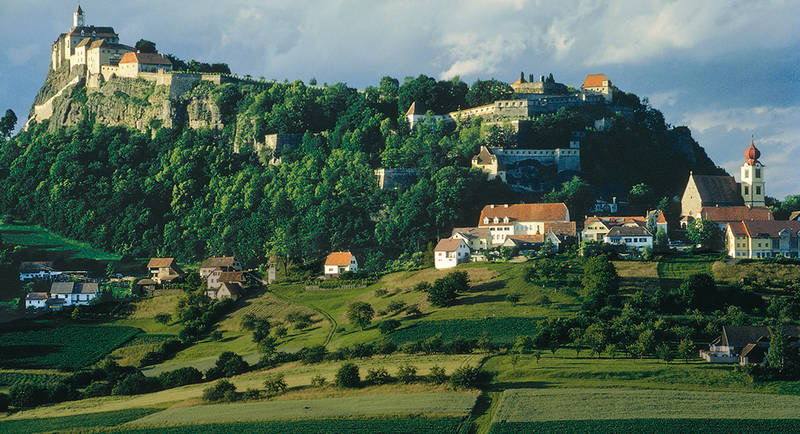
x=752 y=172
x=78 y=19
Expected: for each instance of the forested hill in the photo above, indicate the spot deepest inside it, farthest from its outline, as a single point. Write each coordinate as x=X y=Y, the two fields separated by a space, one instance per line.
x=183 y=191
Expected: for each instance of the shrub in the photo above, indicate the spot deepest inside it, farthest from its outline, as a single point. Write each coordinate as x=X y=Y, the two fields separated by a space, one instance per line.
x=437 y=375
x=4 y=401
x=261 y=329
x=213 y=373
x=230 y=364
x=361 y=351
x=513 y=298
x=275 y=384
x=314 y=354
x=410 y=348
x=318 y=381
x=378 y=376
x=221 y=391
x=97 y=388
x=360 y=313
x=413 y=311
x=385 y=346
x=389 y=325
x=28 y=395
x=460 y=346
x=252 y=394
x=347 y=376
x=407 y=374
x=281 y=331
x=422 y=287
x=468 y=377
x=135 y=384
x=396 y=306
x=180 y=377
x=248 y=322
x=381 y=293
x=163 y=318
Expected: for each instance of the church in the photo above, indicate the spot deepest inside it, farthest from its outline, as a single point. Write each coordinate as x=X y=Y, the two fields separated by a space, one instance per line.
x=722 y=199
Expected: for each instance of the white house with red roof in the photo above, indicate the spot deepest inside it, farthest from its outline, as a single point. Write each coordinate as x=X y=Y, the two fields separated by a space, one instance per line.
x=132 y=64
x=450 y=252
x=338 y=262
x=520 y=219
x=599 y=83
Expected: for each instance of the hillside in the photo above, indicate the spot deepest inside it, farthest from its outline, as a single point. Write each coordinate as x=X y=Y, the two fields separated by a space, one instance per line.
x=138 y=165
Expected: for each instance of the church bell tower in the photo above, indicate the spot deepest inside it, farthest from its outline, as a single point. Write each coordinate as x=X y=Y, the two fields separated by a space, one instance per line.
x=78 y=20
x=752 y=172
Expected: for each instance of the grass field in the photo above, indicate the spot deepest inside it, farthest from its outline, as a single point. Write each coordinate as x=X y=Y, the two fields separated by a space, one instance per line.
x=673 y=269
x=79 y=422
x=432 y=404
x=637 y=275
x=500 y=330
x=566 y=370
x=43 y=239
x=325 y=426
x=132 y=352
x=530 y=405
x=53 y=346
x=735 y=272
x=654 y=426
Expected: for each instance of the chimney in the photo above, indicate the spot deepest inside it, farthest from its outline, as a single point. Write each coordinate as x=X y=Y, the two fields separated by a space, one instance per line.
x=491 y=206
x=505 y=205
x=614 y=199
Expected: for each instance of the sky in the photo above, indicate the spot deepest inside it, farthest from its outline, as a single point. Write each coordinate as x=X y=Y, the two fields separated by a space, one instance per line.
x=728 y=69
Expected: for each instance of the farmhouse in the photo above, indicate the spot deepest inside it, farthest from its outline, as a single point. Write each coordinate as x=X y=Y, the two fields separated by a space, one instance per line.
x=231 y=290
x=338 y=262
x=221 y=263
x=722 y=215
x=74 y=293
x=636 y=237
x=29 y=270
x=132 y=64
x=476 y=238
x=742 y=344
x=35 y=300
x=450 y=252
x=163 y=270
x=763 y=239
x=520 y=219
x=218 y=277
x=532 y=242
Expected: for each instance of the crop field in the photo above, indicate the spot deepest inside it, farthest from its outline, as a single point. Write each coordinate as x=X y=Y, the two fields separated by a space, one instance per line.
x=433 y=404
x=637 y=275
x=72 y=346
x=500 y=330
x=566 y=370
x=92 y=420
x=551 y=404
x=654 y=426
x=9 y=378
x=324 y=426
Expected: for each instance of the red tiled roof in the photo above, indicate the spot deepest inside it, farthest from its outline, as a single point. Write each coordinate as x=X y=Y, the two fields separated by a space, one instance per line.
x=218 y=261
x=525 y=212
x=615 y=221
x=721 y=214
x=594 y=80
x=530 y=238
x=448 y=244
x=771 y=228
x=561 y=228
x=340 y=259
x=230 y=276
x=160 y=262
x=145 y=58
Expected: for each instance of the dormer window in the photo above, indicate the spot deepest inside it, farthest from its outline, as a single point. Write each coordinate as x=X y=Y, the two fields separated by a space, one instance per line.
x=505 y=219
x=496 y=220
x=486 y=220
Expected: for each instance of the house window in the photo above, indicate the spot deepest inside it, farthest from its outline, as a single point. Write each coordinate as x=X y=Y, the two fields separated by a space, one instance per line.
x=758 y=173
x=758 y=189
x=746 y=190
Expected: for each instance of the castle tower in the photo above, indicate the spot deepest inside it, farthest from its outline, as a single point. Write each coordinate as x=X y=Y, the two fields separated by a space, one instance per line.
x=752 y=172
x=78 y=19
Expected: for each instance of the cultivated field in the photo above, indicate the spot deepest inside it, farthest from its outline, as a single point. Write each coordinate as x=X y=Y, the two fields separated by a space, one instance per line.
x=528 y=405
x=433 y=404
x=80 y=422
x=654 y=426
x=415 y=424
x=72 y=346
x=735 y=272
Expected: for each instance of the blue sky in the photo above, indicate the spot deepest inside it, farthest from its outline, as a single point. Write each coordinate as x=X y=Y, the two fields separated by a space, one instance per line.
x=727 y=69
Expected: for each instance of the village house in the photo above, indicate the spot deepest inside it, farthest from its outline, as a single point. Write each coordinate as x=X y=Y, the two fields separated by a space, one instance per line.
x=450 y=252
x=131 y=64
x=632 y=237
x=29 y=270
x=742 y=344
x=520 y=219
x=338 y=262
x=74 y=293
x=35 y=300
x=763 y=239
x=218 y=277
x=476 y=238
x=526 y=243
x=795 y=215
x=221 y=263
x=596 y=228
x=231 y=290
x=722 y=215
x=163 y=270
